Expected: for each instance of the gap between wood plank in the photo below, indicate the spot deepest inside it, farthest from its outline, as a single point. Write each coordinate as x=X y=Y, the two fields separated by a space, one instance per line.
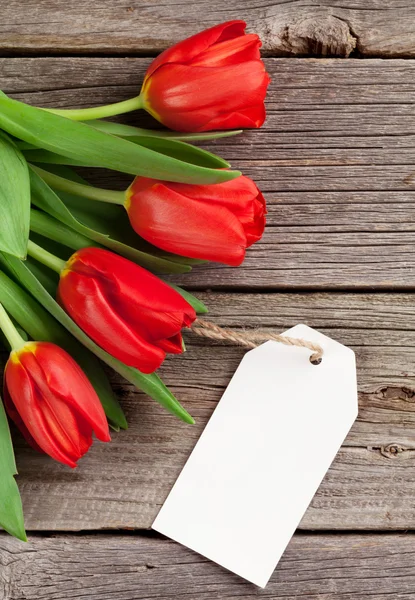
x=146 y=54
x=151 y=534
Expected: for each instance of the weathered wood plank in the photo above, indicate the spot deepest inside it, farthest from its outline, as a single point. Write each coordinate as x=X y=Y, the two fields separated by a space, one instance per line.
x=341 y=567
x=328 y=27
x=371 y=484
x=335 y=160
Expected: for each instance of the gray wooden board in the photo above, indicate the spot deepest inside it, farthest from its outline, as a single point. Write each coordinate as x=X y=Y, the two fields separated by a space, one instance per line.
x=287 y=27
x=371 y=484
x=335 y=161
x=113 y=567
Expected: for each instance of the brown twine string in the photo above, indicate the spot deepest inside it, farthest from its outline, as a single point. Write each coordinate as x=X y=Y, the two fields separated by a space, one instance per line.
x=252 y=339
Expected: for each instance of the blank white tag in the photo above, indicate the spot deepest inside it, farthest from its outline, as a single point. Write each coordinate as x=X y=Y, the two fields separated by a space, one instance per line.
x=263 y=454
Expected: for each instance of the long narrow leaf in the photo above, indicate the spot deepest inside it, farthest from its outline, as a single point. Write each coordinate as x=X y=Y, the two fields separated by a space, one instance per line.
x=150 y=384
x=41 y=326
x=11 y=512
x=78 y=140
x=14 y=198
x=122 y=130
x=181 y=151
x=173 y=148
x=199 y=306
x=45 y=157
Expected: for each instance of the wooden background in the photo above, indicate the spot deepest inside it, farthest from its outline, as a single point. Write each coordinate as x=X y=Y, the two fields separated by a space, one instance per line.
x=336 y=162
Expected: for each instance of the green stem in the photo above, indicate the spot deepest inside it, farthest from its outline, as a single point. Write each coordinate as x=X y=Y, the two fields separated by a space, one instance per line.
x=13 y=336
x=99 y=112
x=45 y=257
x=80 y=189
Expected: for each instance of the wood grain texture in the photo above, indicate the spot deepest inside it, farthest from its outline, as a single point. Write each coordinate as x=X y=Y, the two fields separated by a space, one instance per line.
x=287 y=27
x=314 y=567
x=371 y=484
x=335 y=160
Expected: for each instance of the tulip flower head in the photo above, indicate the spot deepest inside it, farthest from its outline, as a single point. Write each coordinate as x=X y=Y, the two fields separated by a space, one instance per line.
x=129 y=312
x=210 y=222
x=52 y=402
x=212 y=80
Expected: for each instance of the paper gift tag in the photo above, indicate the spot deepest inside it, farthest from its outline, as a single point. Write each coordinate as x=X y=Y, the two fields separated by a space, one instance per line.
x=263 y=454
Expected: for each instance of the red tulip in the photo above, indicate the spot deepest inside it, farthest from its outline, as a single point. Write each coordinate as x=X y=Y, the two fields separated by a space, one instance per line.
x=212 y=80
x=211 y=222
x=52 y=402
x=129 y=312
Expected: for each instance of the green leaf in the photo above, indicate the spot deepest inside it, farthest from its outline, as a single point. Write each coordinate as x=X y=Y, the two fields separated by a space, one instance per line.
x=46 y=199
x=173 y=148
x=152 y=385
x=199 y=306
x=14 y=199
x=41 y=157
x=181 y=151
x=41 y=326
x=11 y=511
x=20 y=143
x=43 y=224
x=78 y=140
x=122 y=130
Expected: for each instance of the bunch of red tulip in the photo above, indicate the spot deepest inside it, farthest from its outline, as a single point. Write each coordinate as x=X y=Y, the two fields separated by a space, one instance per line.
x=79 y=265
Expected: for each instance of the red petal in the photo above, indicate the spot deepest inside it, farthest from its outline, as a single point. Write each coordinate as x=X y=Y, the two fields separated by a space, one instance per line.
x=139 y=297
x=17 y=419
x=153 y=326
x=178 y=224
x=86 y=301
x=23 y=393
x=254 y=224
x=188 y=98
x=173 y=345
x=236 y=195
x=68 y=382
x=230 y=52
x=249 y=117
x=240 y=195
x=58 y=415
x=186 y=50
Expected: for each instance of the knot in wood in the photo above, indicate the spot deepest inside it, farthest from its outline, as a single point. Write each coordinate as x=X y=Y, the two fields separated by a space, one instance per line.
x=391 y=450
x=320 y=36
